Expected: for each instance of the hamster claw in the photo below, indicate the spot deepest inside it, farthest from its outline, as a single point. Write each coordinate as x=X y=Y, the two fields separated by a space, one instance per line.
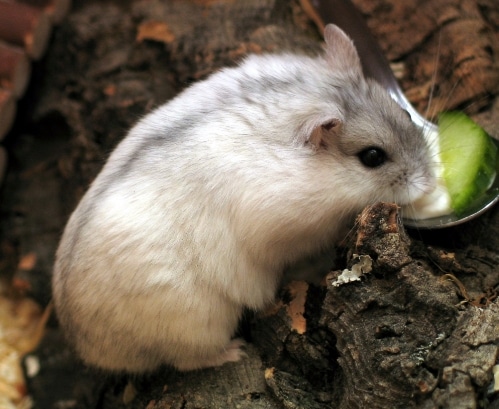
x=233 y=352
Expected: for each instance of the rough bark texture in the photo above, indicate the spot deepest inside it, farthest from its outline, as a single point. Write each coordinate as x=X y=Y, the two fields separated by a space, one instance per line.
x=402 y=335
x=420 y=330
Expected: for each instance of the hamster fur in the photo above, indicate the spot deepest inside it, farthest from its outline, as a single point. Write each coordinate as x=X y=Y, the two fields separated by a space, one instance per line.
x=211 y=196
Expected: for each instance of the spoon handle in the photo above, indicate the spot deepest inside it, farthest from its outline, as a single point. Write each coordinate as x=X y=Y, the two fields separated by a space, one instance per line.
x=375 y=65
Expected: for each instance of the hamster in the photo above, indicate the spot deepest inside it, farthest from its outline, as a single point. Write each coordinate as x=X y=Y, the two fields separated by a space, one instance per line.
x=210 y=197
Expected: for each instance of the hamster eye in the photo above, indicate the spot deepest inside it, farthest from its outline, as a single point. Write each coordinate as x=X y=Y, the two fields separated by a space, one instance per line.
x=372 y=157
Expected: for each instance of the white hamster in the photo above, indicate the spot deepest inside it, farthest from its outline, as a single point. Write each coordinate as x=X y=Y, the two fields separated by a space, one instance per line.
x=211 y=196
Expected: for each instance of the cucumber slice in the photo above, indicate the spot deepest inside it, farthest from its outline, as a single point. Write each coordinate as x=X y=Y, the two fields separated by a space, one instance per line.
x=468 y=156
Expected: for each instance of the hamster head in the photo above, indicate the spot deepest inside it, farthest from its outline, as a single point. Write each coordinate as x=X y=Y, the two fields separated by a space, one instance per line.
x=374 y=145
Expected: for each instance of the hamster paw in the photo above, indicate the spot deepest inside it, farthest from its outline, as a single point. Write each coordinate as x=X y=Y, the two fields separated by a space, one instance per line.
x=233 y=352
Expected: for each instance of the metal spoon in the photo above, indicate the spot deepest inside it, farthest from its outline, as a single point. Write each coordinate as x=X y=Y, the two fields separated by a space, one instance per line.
x=375 y=65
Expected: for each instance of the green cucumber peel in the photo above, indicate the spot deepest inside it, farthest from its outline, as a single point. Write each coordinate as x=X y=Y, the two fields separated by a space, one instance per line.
x=469 y=158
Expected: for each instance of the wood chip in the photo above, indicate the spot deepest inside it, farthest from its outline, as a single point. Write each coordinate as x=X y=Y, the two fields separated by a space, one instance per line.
x=155 y=31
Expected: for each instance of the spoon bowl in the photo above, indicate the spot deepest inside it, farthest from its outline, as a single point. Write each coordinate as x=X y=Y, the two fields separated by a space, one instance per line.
x=375 y=65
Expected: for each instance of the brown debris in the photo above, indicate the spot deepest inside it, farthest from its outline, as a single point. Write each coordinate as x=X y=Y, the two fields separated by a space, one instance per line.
x=155 y=31
x=25 y=26
x=296 y=307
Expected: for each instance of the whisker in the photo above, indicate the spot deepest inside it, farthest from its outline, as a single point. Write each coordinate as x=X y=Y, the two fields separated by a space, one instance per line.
x=434 y=76
x=445 y=102
x=477 y=101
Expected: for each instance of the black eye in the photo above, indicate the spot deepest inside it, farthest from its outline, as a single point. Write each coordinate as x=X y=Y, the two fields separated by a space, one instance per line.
x=372 y=157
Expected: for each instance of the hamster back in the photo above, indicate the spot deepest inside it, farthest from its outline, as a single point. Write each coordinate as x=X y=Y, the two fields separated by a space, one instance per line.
x=211 y=196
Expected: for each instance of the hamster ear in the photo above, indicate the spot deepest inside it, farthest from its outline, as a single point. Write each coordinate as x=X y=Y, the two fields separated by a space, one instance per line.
x=340 y=51
x=322 y=135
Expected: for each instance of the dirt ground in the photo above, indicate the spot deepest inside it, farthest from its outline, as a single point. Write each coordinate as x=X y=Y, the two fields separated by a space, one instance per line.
x=424 y=325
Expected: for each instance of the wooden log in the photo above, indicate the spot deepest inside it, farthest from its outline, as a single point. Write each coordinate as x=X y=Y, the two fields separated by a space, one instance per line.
x=7 y=111
x=15 y=69
x=56 y=9
x=25 y=26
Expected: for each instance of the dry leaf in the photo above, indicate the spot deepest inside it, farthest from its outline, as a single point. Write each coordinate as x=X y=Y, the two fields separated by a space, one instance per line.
x=155 y=31
x=296 y=308
x=27 y=262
